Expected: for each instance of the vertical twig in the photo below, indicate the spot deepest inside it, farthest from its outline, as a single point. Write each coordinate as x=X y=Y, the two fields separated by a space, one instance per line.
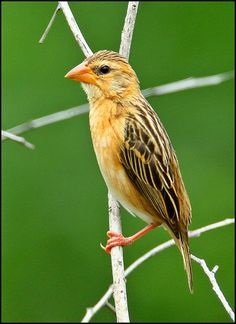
x=127 y=33
x=119 y=285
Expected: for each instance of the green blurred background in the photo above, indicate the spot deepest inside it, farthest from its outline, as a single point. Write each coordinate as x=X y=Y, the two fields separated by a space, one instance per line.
x=54 y=198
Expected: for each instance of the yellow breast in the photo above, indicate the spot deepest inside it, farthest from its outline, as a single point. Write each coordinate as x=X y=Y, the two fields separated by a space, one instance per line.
x=107 y=135
x=107 y=125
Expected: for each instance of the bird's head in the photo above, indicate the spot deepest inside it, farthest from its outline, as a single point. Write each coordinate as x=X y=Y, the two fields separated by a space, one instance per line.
x=106 y=74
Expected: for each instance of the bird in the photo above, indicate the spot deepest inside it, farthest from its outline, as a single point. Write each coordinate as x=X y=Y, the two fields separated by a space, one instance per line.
x=134 y=152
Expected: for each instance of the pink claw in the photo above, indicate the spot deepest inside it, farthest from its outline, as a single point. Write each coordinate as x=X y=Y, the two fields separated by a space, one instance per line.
x=116 y=239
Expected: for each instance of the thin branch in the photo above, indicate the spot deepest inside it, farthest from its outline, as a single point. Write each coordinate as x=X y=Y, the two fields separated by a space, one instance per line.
x=119 y=284
x=211 y=275
x=43 y=37
x=210 y=227
x=180 y=85
x=161 y=247
x=63 y=5
x=91 y=311
x=189 y=83
x=146 y=256
x=18 y=139
x=49 y=119
x=75 y=29
x=127 y=33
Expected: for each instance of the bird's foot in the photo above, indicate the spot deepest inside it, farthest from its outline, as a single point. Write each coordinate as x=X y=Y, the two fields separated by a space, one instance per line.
x=116 y=239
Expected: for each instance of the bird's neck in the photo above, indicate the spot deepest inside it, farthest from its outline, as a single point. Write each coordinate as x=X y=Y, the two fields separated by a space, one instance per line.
x=95 y=94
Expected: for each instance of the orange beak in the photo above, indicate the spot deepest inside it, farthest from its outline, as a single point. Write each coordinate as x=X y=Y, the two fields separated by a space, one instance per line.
x=81 y=73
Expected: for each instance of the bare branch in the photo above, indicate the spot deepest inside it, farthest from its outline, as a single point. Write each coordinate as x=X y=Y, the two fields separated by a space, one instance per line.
x=127 y=33
x=63 y=5
x=49 y=119
x=196 y=233
x=189 y=83
x=49 y=24
x=119 y=284
x=161 y=247
x=91 y=311
x=211 y=275
x=18 y=139
x=207 y=228
x=75 y=29
x=159 y=90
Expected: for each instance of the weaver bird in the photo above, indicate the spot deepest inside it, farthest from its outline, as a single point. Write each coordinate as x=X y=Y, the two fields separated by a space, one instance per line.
x=133 y=150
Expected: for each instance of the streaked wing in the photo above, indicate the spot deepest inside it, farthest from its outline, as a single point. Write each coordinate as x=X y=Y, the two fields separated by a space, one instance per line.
x=148 y=159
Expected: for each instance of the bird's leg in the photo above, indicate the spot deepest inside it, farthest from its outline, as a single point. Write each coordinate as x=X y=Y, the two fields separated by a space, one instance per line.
x=117 y=239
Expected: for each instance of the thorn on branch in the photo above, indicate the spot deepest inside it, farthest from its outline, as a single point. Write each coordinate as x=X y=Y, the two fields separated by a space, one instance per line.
x=215 y=269
x=18 y=139
x=111 y=307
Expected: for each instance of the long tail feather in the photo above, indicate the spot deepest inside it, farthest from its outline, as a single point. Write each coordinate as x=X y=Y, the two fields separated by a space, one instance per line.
x=182 y=243
x=184 y=248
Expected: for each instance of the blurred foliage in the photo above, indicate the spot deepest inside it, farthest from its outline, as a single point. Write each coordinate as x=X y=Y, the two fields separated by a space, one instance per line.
x=54 y=200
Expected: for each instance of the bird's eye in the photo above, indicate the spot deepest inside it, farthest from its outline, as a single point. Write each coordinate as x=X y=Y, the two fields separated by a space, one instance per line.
x=104 y=69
